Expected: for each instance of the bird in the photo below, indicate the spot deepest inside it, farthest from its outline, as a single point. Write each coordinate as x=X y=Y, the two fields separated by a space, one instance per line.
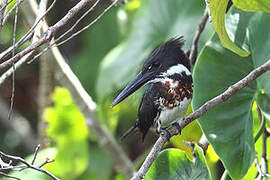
x=168 y=77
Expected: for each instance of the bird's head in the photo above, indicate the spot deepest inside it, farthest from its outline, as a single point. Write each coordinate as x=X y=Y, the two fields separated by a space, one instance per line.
x=165 y=60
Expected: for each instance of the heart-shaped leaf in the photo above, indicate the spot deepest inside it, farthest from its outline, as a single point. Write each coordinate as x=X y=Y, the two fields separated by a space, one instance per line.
x=174 y=164
x=229 y=125
x=218 y=10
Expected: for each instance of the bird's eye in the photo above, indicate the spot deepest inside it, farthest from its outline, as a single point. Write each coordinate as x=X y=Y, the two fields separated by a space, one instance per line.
x=153 y=65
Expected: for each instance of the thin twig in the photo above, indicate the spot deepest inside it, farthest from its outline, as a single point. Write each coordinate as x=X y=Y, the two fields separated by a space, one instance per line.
x=73 y=35
x=8 y=176
x=3 y=5
x=90 y=24
x=264 y=158
x=78 y=21
x=13 y=66
x=27 y=165
x=262 y=125
x=46 y=162
x=37 y=31
x=224 y=175
x=208 y=10
x=49 y=34
x=261 y=174
x=194 y=46
x=19 y=126
x=30 y=32
x=88 y=107
x=203 y=143
x=199 y=112
x=256 y=162
x=35 y=154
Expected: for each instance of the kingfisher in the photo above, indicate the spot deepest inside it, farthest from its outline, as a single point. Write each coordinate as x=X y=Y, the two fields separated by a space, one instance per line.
x=169 y=89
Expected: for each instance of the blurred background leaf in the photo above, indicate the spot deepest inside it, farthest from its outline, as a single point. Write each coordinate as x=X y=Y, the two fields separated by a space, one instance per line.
x=67 y=128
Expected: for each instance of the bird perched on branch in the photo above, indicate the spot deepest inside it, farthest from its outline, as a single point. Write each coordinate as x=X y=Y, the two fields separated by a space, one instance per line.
x=169 y=89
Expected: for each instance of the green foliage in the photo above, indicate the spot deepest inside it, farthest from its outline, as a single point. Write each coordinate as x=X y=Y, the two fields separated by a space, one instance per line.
x=229 y=125
x=174 y=164
x=252 y=172
x=99 y=165
x=253 y=5
x=218 y=9
x=154 y=22
x=103 y=36
x=67 y=128
x=11 y=4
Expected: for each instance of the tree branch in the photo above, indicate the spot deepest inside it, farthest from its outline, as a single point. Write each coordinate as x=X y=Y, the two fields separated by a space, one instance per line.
x=264 y=157
x=3 y=5
x=194 y=46
x=88 y=107
x=26 y=165
x=8 y=176
x=199 y=112
x=50 y=32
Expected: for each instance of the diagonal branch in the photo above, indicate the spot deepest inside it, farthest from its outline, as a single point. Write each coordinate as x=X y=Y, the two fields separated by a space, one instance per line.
x=88 y=107
x=3 y=5
x=50 y=32
x=198 y=113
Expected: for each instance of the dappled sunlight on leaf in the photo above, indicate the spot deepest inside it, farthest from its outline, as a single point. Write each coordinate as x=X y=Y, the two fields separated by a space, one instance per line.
x=67 y=128
x=133 y=5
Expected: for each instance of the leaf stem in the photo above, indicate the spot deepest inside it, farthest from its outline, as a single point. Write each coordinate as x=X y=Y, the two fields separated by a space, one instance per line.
x=224 y=175
x=262 y=120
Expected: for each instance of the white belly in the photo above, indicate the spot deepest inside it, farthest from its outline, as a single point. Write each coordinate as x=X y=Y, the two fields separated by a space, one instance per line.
x=169 y=116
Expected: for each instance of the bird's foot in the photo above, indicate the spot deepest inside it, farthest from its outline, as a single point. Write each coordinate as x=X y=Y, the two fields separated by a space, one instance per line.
x=178 y=127
x=165 y=133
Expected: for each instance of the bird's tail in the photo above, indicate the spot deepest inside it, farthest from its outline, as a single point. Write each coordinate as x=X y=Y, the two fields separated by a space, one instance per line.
x=129 y=131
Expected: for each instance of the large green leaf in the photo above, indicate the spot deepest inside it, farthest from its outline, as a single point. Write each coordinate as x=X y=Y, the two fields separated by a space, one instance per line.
x=229 y=125
x=155 y=22
x=218 y=10
x=259 y=38
x=253 y=5
x=174 y=164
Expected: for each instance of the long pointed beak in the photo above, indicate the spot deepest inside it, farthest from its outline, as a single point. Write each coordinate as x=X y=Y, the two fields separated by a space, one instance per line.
x=139 y=81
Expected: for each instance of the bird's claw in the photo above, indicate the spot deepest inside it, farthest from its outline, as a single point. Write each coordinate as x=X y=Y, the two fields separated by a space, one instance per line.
x=178 y=127
x=166 y=133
